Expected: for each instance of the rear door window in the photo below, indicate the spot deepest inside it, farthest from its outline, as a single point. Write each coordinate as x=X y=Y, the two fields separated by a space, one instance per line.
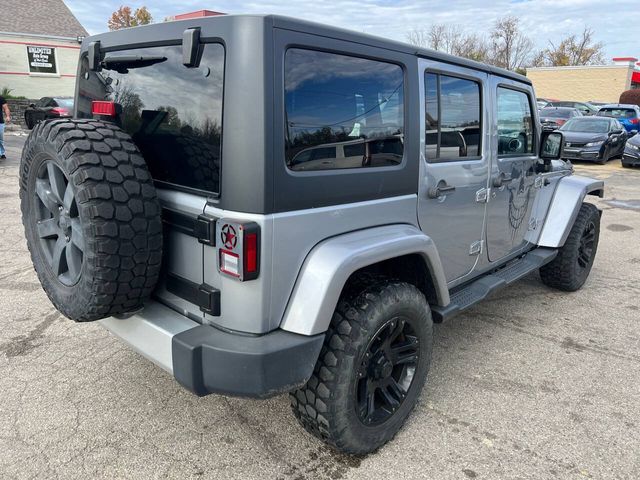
x=342 y=111
x=452 y=118
x=173 y=113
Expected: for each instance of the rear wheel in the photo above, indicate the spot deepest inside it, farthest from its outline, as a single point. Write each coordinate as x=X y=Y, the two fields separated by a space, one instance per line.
x=372 y=367
x=571 y=267
x=28 y=120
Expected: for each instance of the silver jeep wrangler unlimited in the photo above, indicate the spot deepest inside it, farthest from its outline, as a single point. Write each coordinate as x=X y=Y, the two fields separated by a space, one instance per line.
x=263 y=205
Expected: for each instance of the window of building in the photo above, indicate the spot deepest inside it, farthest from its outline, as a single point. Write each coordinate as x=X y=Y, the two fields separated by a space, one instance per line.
x=342 y=111
x=452 y=124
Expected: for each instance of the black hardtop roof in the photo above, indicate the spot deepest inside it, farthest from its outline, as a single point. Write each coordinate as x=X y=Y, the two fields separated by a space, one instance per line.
x=294 y=24
x=381 y=42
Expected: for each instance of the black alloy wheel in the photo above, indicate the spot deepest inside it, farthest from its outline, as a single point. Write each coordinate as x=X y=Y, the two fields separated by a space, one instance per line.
x=386 y=372
x=586 y=246
x=58 y=223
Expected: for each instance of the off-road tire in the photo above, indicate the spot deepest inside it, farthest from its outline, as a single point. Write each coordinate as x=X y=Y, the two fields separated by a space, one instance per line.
x=118 y=212
x=325 y=406
x=565 y=272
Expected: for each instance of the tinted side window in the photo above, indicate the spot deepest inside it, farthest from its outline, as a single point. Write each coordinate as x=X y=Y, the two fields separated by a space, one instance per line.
x=332 y=101
x=452 y=118
x=515 y=123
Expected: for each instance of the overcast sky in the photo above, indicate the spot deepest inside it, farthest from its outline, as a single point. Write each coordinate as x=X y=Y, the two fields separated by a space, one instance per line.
x=615 y=24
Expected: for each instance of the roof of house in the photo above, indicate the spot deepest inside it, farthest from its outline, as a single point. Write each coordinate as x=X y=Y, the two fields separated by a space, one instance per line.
x=40 y=17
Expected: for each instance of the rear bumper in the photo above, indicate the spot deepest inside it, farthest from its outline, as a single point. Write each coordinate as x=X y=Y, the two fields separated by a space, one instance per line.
x=205 y=360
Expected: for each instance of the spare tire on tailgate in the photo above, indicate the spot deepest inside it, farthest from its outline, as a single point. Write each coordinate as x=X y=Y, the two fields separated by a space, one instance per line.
x=91 y=218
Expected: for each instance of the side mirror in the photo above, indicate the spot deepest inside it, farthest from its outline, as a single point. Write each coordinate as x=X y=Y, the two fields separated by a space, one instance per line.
x=551 y=145
x=32 y=105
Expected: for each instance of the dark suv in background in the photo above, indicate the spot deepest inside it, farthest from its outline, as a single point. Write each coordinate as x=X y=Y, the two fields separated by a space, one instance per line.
x=584 y=107
x=553 y=118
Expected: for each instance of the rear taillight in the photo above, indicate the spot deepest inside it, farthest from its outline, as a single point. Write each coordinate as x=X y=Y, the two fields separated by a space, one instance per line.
x=60 y=111
x=103 y=108
x=560 y=122
x=251 y=252
x=635 y=120
x=239 y=249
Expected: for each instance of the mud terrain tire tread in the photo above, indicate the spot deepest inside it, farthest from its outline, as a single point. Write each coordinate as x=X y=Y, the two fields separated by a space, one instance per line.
x=318 y=405
x=563 y=272
x=119 y=214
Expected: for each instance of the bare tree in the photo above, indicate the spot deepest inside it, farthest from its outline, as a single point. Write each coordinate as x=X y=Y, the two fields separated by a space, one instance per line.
x=510 y=47
x=450 y=39
x=419 y=37
x=574 y=50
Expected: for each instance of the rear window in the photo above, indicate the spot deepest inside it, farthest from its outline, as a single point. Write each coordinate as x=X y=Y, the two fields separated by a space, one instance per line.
x=617 y=112
x=553 y=113
x=65 y=102
x=173 y=113
x=342 y=111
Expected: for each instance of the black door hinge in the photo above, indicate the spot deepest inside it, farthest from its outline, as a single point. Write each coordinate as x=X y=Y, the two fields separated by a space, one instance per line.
x=204 y=296
x=202 y=227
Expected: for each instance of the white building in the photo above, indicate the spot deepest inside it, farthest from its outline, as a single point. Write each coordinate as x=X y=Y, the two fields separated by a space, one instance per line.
x=39 y=48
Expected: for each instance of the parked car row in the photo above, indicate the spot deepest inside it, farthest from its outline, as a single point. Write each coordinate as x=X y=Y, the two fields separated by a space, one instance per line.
x=594 y=133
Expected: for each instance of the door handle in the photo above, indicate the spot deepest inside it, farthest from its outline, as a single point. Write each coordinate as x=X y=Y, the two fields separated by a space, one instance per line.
x=440 y=189
x=501 y=179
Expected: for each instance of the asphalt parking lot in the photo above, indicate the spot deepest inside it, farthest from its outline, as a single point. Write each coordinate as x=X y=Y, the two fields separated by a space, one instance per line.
x=532 y=383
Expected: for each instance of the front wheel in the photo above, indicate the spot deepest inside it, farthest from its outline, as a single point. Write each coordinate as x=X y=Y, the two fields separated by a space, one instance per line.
x=604 y=159
x=371 y=369
x=571 y=267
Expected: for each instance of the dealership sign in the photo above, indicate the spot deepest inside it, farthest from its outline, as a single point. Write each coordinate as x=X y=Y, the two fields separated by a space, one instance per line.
x=42 y=59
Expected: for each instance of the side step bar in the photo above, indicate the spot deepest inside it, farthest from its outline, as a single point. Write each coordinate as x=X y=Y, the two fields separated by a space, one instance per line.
x=476 y=291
